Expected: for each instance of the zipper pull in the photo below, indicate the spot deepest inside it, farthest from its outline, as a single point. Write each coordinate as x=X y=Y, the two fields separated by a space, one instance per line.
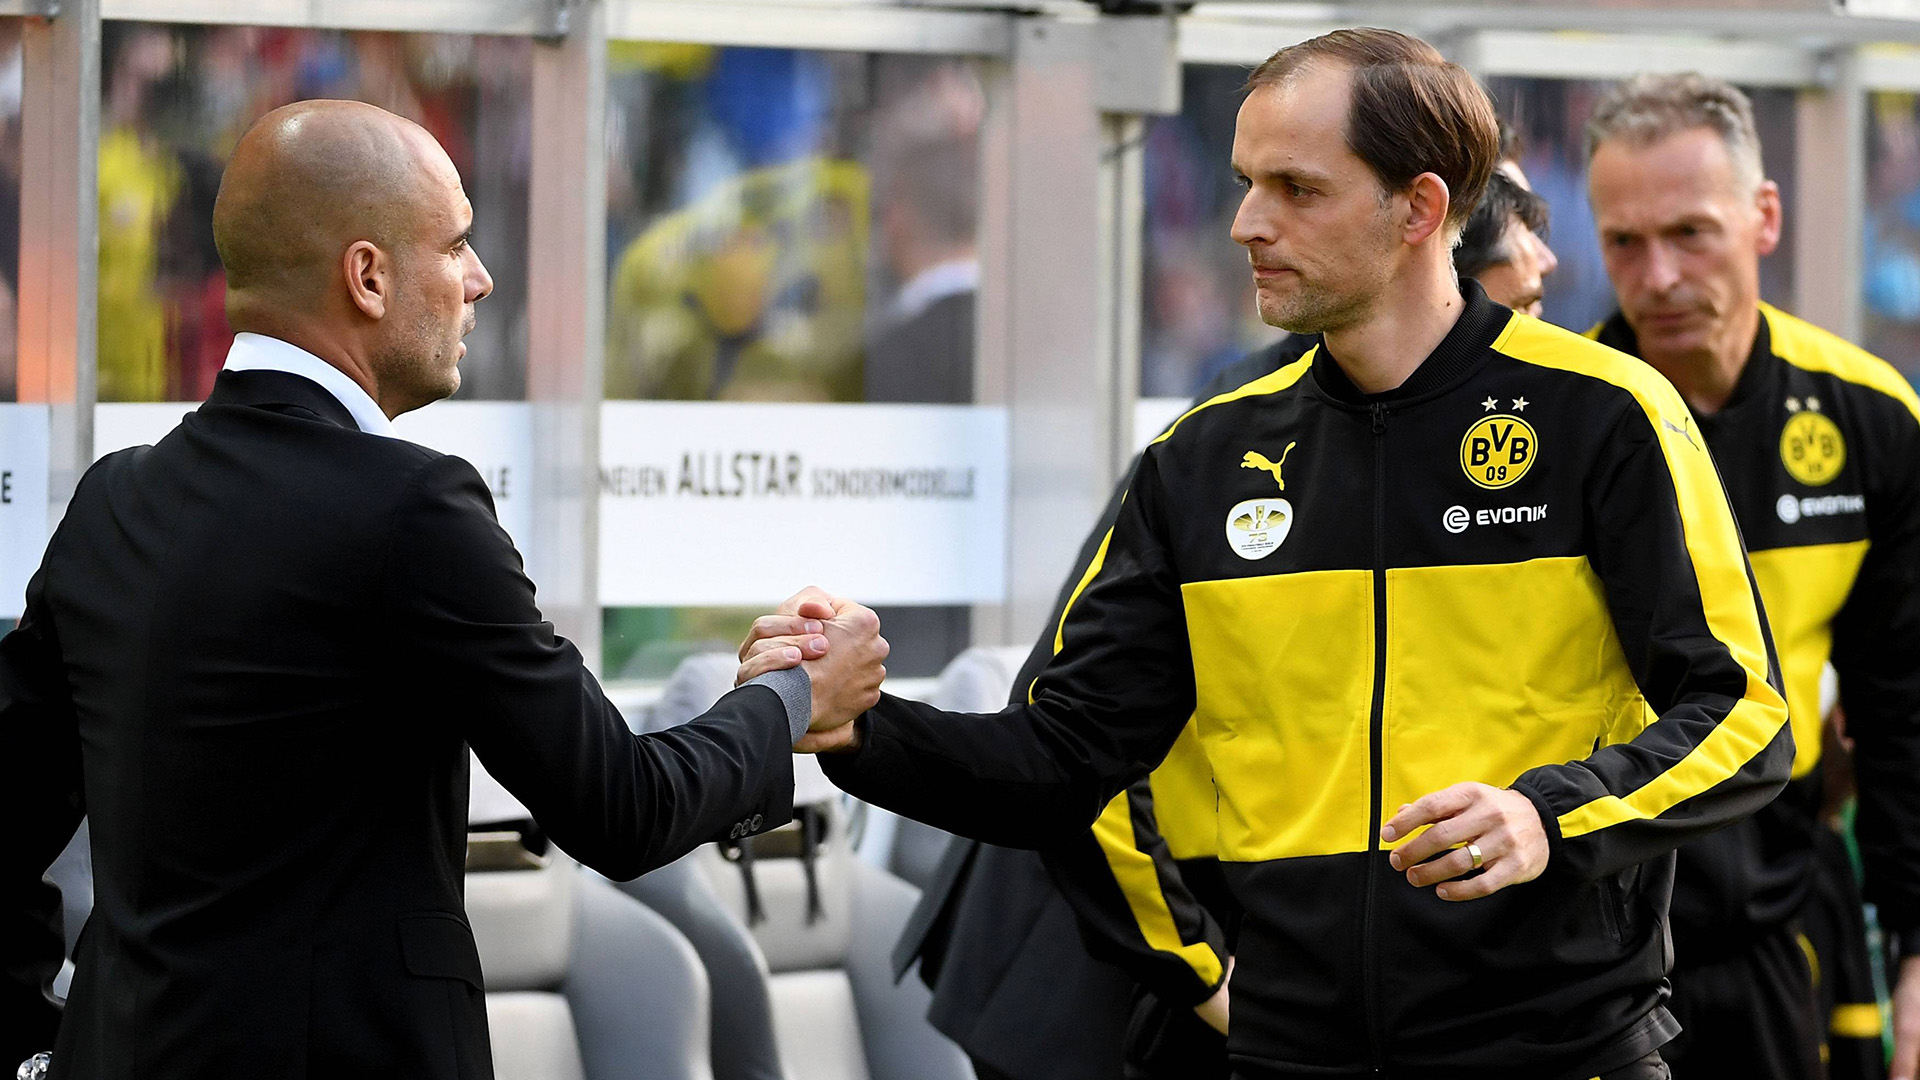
x=1379 y=418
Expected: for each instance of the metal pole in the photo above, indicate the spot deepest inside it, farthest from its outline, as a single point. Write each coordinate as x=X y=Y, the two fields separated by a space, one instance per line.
x=1042 y=314
x=60 y=234
x=566 y=314
x=1830 y=173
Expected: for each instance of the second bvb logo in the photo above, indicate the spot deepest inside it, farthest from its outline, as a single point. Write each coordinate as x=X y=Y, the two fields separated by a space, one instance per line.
x=1498 y=450
x=1812 y=448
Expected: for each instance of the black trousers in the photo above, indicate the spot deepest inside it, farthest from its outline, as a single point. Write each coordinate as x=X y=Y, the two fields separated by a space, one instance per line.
x=1752 y=1015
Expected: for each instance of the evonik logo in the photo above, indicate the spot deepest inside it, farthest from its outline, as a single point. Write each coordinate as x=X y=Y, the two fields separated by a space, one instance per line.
x=1459 y=519
x=1792 y=509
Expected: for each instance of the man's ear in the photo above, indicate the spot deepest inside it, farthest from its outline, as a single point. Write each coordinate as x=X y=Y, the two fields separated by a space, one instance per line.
x=1767 y=201
x=369 y=275
x=1427 y=203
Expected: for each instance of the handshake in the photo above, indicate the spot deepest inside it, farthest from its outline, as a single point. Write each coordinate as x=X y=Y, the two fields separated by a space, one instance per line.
x=838 y=644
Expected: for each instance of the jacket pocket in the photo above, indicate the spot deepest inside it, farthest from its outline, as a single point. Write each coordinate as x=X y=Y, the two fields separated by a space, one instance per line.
x=1611 y=914
x=439 y=945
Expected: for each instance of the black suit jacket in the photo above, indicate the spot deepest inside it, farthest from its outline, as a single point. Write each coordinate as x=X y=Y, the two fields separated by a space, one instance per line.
x=928 y=358
x=255 y=655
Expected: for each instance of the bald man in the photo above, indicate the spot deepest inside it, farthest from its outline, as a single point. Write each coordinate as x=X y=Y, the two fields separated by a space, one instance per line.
x=256 y=653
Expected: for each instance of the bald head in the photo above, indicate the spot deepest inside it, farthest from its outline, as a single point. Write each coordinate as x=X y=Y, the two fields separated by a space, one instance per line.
x=305 y=182
x=345 y=231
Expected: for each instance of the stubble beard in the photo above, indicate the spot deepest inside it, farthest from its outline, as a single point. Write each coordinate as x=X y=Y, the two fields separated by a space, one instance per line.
x=1314 y=309
x=423 y=362
x=1320 y=307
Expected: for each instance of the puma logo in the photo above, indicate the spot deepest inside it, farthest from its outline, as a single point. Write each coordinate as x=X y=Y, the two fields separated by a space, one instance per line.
x=1256 y=460
x=1685 y=431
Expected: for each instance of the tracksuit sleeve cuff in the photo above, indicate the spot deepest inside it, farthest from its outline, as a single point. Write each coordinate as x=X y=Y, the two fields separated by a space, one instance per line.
x=1549 y=819
x=796 y=693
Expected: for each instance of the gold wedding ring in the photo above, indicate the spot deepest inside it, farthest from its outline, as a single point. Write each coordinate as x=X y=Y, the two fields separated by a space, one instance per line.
x=1479 y=858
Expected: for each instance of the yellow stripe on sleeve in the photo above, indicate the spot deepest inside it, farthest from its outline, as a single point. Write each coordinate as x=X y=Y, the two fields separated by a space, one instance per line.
x=1857 y=1021
x=1271 y=383
x=1713 y=546
x=1139 y=882
x=1093 y=570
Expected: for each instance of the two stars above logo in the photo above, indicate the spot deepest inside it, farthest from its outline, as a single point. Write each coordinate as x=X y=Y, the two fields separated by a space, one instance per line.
x=1519 y=404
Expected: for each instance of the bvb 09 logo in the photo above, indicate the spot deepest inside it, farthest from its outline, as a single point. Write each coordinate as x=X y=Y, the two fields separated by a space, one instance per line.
x=1498 y=450
x=1812 y=449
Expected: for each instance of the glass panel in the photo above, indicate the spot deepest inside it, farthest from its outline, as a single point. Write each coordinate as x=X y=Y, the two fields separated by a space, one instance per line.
x=175 y=99
x=1199 y=314
x=788 y=226
x=1890 y=285
x=10 y=95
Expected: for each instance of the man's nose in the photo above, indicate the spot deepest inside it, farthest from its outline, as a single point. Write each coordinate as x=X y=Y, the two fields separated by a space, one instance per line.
x=1662 y=268
x=1549 y=262
x=1250 y=225
x=479 y=282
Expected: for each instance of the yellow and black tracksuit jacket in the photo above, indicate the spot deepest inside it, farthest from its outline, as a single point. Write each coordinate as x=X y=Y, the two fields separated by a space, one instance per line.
x=1144 y=882
x=1519 y=568
x=1819 y=449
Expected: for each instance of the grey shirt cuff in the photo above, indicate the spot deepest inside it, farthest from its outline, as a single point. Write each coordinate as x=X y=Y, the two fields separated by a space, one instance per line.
x=796 y=693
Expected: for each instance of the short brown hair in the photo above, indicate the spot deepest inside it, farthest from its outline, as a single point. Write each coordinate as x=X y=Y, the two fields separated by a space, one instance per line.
x=1412 y=111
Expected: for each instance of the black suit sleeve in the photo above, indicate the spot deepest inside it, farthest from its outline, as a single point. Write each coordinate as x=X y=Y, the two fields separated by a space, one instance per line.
x=41 y=802
x=465 y=623
x=1113 y=699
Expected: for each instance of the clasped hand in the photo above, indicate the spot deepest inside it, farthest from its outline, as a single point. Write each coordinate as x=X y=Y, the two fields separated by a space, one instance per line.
x=838 y=643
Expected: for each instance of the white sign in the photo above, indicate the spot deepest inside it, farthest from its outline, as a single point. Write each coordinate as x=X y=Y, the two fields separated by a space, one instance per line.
x=722 y=503
x=120 y=424
x=496 y=437
x=24 y=437
x=1151 y=415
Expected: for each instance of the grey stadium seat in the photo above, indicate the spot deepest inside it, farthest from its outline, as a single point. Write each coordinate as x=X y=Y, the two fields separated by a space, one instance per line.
x=582 y=983
x=815 y=1000
x=838 y=1014
x=979 y=680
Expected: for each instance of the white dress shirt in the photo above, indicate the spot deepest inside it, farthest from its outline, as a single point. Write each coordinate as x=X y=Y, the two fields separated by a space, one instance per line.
x=258 y=352
x=934 y=284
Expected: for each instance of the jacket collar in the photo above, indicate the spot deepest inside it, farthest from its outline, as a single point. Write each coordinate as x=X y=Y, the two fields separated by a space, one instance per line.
x=280 y=391
x=1755 y=378
x=263 y=352
x=1458 y=355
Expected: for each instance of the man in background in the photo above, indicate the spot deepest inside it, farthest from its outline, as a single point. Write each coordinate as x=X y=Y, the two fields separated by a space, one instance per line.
x=1818 y=444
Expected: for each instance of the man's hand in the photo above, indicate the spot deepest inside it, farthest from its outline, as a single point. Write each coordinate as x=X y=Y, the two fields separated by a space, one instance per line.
x=1214 y=1009
x=1502 y=824
x=778 y=642
x=843 y=661
x=792 y=634
x=1906 y=1021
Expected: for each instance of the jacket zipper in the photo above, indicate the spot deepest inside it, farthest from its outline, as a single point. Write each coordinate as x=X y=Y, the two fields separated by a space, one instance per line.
x=1370 y=953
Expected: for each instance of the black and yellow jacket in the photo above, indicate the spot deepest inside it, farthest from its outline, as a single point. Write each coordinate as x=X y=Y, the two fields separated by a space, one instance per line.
x=1819 y=448
x=1145 y=882
x=1518 y=568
